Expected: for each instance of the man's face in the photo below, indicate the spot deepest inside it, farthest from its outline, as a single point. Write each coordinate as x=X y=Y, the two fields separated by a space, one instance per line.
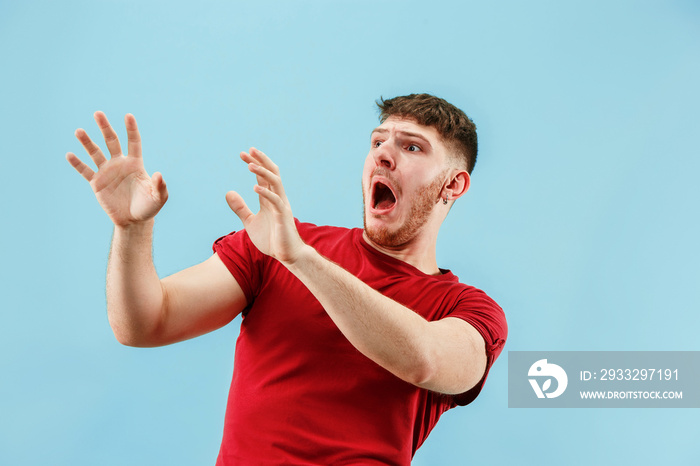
x=404 y=174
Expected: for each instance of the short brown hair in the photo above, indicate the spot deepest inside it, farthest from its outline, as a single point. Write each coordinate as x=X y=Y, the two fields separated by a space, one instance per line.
x=456 y=128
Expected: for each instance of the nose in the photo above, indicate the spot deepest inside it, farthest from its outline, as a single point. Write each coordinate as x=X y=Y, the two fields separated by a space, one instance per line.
x=385 y=155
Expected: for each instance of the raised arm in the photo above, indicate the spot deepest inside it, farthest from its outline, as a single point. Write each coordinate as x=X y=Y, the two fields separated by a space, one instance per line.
x=446 y=356
x=142 y=309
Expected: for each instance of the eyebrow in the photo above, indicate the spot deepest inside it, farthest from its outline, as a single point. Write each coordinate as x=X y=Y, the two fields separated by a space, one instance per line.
x=405 y=133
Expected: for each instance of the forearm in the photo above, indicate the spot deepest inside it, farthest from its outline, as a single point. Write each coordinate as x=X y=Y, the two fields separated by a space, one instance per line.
x=390 y=334
x=134 y=292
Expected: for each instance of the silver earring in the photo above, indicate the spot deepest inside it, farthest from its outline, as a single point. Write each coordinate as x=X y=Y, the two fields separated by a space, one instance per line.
x=444 y=201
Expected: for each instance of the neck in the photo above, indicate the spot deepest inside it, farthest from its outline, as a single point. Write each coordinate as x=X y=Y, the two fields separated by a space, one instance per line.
x=418 y=252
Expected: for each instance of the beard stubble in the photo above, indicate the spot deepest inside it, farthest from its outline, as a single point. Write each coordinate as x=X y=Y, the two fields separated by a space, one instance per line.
x=417 y=217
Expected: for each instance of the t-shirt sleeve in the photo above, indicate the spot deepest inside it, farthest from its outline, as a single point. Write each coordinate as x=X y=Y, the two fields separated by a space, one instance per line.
x=243 y=260
x=487 y=317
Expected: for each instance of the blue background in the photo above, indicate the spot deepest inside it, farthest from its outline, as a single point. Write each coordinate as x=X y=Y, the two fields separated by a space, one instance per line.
x=582 y=220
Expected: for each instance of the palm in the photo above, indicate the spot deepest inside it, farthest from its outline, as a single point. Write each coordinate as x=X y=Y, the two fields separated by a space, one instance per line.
x=122 y=185
x=268 y=236
x=125 y=191
x=260 y=229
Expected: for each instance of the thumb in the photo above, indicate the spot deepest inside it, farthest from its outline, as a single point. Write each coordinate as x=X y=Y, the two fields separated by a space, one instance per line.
x=238 y=205
x=159 y=185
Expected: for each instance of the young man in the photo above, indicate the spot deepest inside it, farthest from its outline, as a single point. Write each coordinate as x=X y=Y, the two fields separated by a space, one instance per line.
x=353 y=341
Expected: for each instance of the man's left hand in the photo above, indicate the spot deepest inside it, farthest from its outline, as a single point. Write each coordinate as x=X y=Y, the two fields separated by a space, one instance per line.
x=272 y=229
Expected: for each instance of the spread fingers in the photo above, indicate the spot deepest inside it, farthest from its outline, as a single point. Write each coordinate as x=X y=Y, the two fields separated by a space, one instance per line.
x=264 y=160
x=109 y=134
x=91 y=148
x=267 y=179
x=80 y=166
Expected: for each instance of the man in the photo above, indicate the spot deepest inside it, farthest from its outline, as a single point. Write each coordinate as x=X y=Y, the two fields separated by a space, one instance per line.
x=353 y=342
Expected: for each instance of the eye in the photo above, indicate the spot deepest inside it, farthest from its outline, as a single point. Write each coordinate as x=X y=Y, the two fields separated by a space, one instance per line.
x=376 y=144
x=414 y=148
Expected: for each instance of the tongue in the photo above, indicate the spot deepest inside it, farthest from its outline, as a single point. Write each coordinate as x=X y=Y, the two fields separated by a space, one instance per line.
x=385 y=204
x=383 y=196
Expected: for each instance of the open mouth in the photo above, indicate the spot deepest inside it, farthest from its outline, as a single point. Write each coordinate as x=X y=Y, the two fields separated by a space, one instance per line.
x=383 y=197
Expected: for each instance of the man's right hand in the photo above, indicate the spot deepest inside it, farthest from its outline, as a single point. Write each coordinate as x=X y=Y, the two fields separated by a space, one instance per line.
x=122 y=185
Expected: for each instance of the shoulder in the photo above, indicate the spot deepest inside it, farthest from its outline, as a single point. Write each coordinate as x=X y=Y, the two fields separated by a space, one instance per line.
x=474 y=295
x=483 y=313
x=470 y=297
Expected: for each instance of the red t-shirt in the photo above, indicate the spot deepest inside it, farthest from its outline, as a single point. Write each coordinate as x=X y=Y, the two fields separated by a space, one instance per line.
x=301 y=393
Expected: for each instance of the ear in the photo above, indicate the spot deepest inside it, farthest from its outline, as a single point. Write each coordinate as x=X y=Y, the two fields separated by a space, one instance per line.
x=457 y=185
